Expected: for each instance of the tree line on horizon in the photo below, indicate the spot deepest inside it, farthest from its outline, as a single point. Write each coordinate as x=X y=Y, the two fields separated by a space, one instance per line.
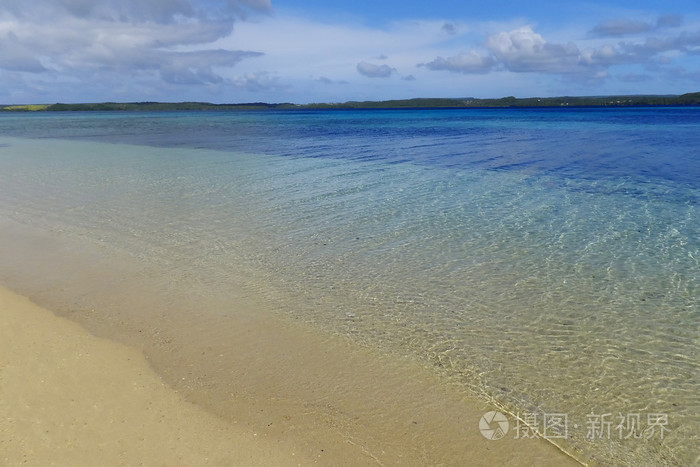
x=689 y=99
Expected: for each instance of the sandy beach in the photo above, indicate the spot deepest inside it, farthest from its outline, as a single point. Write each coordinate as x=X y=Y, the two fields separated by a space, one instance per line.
x=69 y=398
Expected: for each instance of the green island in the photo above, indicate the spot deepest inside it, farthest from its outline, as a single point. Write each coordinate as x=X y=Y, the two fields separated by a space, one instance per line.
x=689 y=99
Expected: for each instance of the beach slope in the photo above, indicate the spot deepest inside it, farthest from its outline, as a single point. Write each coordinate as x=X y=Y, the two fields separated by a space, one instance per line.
x=69 y=398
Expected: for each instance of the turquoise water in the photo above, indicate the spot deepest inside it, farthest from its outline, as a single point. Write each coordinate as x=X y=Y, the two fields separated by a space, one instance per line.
x=548 y=260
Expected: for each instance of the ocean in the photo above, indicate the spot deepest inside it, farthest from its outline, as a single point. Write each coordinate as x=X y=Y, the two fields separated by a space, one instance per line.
x=545 y=260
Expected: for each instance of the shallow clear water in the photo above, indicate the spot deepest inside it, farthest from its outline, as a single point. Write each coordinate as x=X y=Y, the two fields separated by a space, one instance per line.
x=546 y=259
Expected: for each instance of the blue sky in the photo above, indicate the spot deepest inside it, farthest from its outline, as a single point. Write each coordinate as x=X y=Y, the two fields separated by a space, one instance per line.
x=334 y=51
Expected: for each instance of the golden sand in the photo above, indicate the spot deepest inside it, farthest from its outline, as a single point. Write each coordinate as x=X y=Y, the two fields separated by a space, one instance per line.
x=68 y=398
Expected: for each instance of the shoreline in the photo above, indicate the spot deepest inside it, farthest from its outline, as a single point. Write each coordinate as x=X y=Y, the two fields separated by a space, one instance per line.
x=71 y=398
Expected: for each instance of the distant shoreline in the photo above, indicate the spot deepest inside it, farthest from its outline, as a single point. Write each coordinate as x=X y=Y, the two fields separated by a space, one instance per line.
x=688 y=99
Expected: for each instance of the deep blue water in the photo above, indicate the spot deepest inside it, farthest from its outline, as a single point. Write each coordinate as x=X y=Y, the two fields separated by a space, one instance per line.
x=548 y=259
x=645 y=143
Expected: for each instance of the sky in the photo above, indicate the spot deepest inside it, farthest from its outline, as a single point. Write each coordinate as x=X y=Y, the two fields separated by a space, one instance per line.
x=301 y=51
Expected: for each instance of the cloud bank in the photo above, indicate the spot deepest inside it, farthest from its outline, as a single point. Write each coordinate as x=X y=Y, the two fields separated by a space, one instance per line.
x=522 y=50
x=235 y=51
x=624 y=27
x=111 y=41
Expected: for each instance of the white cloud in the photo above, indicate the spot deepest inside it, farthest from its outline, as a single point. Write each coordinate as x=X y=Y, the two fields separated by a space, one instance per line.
x=523 y=50
x=257 y=82
x=604 y=56
x=374 y=71
x=469 y=62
